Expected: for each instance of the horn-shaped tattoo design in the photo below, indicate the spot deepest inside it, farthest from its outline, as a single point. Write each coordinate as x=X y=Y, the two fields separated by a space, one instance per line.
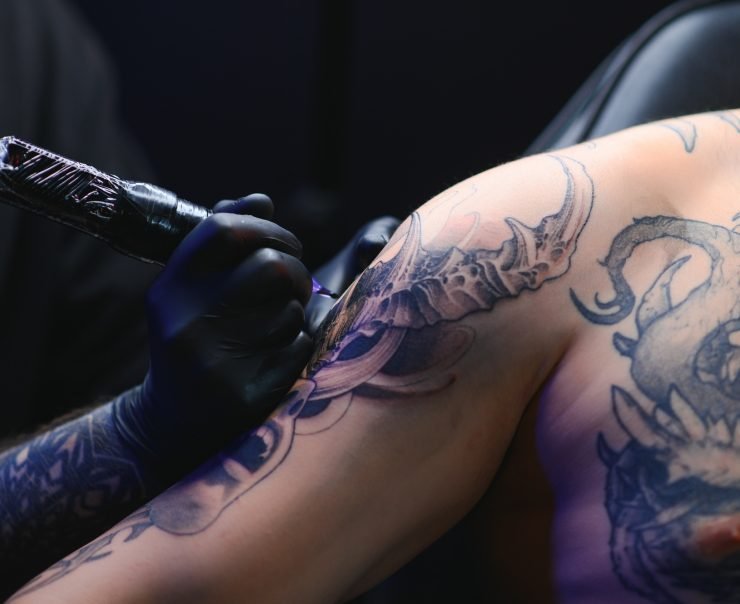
x=673 y=491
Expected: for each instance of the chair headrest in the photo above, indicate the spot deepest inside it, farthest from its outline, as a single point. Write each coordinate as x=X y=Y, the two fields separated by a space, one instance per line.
x=684 y=60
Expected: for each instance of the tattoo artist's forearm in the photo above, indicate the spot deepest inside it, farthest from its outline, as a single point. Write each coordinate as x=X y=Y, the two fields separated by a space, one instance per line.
x=61 y=489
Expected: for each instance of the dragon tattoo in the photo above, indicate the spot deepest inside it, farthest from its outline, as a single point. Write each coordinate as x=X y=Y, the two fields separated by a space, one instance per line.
x=673 y=492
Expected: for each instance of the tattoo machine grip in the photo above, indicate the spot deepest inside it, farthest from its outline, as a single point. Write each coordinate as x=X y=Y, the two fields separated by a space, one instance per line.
x=137 y=219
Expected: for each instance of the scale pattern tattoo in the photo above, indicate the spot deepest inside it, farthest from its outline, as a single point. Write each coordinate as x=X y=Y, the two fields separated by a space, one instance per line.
x=394 y=334
x=40 y=513
x=673 y=492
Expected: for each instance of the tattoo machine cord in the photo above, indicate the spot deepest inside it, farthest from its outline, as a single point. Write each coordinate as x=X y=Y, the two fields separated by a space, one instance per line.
x=138 y=219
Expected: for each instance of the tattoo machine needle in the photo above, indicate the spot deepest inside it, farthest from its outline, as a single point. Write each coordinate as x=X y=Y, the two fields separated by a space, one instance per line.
x=138 y=219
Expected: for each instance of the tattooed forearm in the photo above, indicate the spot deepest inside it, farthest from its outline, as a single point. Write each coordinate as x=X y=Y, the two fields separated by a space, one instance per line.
x=673 y=492
x=61 y=489
x=396 y=333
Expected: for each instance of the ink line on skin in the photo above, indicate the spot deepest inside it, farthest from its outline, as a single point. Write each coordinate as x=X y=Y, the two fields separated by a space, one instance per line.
x=138 y=219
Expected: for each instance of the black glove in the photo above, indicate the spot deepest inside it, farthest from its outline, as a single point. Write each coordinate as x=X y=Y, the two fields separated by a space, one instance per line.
x=340 y=271
x=225 y=320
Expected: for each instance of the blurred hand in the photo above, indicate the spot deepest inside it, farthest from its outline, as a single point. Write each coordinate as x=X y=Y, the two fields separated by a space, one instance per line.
x=225 y=319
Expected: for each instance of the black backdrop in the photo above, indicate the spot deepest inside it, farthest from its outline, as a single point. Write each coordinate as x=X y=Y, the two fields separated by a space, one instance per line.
x=344 y=109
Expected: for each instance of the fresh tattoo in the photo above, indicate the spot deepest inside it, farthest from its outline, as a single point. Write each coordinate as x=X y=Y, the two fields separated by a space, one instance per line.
x=59 y=491
x=673 y=492
x=395 y=334
x=686 y=131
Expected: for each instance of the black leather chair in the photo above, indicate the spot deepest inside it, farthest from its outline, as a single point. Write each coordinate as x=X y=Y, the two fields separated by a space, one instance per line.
x=682 y=61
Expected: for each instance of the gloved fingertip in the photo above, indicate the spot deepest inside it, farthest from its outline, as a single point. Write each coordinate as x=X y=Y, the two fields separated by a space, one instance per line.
x=256 y=204
x=285 y=326
x=306 y=292
x=285 y=364
x=283 y=240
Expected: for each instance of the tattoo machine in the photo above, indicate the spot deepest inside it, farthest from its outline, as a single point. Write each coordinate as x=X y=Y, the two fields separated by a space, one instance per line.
x=138 y=219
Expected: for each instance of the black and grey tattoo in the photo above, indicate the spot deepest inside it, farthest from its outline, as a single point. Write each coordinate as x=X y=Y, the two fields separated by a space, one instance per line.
x=395 y=334
x=731 y=118
x=686 y=131
x=59 y=490
x=673 y=492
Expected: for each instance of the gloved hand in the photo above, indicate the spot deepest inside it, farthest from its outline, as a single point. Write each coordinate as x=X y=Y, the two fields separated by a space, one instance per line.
x=340 y=271
x=225 y=320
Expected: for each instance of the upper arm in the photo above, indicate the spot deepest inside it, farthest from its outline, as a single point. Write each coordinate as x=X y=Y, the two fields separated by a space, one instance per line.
x=421 y=375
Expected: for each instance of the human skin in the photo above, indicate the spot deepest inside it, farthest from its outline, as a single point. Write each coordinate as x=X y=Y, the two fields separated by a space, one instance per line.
x=475 y=334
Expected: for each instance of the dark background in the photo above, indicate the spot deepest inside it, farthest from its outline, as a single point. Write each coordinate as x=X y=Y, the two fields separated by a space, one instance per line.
x=345 y=109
